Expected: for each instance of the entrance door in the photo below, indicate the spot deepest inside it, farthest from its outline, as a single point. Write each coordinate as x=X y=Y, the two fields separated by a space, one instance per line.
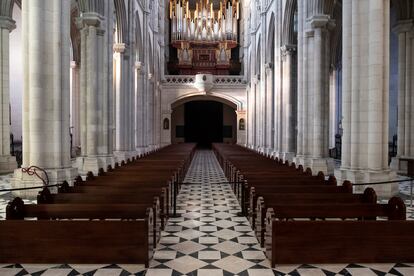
x=203 y=122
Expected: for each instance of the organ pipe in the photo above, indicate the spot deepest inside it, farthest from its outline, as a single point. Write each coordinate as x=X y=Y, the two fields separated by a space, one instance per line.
x=204 y=22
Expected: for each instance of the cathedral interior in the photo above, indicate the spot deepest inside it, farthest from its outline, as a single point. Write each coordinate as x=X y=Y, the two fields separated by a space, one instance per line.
x=206 y=137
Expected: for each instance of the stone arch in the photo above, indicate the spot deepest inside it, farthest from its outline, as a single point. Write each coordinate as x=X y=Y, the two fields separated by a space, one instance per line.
x=200 y=96
x=139 y=47
x=288 y=28
x=404 y=9
x=75 y=36
x=121 y=22
x=336 y=36
x=258 y=56
x=271 y=39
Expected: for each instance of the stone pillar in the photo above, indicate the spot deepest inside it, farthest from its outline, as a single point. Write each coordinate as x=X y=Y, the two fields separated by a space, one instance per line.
x=96 y=99
x=139 y=108
x=314 y=147
x=269 y=110
x=46 y=93
x=150 y=112
x=250 y=115
x=333 y=86
x=157 y=115
x=241 y=127
x=124 y=110
x=75 y=118
x=302 y=63
x=404 y=29
x=7 y=24
x=365 y=95
x=288 y=116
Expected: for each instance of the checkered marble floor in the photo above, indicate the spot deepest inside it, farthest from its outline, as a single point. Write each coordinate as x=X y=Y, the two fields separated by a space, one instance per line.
x=208 y=238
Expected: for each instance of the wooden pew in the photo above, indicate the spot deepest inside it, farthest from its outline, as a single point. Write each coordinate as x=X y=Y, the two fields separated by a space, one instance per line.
x=54 y=241
x=340 y=242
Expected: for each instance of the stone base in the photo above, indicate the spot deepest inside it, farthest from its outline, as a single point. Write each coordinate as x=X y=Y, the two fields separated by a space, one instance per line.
x=366 y=176
x=141 y=151
x=93 y=164
x=124 y=155
x=8 y=164
x=289 y=156
x=56 y=176
x=400 y=167
x=325 y=165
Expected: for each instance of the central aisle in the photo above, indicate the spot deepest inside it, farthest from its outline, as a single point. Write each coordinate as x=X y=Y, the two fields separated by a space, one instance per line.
x=208 y=238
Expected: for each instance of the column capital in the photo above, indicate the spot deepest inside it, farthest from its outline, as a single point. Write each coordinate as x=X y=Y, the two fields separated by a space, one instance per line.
x=89 y=19
x=138 y=65
x=7 y=23
x=321 y=21
x=287 y=49
x=403 y=26
x=74 y=64
x=120 y=48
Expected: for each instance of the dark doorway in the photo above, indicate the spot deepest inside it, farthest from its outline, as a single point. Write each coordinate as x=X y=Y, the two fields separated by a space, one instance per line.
x=203 y=122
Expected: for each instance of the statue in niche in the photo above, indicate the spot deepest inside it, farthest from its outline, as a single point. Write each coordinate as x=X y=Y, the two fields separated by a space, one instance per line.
x=242 y=124
x=166 y=124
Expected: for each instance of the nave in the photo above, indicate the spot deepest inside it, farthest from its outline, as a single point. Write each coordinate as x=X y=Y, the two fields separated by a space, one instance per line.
x=208 y=238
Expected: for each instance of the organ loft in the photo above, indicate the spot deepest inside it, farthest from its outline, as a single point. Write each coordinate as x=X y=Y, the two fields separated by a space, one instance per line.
x=206 y=137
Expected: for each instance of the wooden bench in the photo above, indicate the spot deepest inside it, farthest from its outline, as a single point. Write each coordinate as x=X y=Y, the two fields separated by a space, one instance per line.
x=293 y=242
x=54 y=241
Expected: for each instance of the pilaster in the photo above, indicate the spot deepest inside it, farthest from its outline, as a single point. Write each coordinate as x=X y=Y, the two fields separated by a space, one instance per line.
x=405 y=31
x=313 y=123
x=95 y=91
x=7 y=162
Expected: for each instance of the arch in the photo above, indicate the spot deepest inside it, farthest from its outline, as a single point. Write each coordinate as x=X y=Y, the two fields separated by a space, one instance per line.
x=150 y=56
x=121 y=21
x=403 y=8
x=271 y=39
x=258 y=57
x=6 y=8
x=288 y=28
x=75 y=33
x=336 y=37
x=200 y=96
x=139 y=47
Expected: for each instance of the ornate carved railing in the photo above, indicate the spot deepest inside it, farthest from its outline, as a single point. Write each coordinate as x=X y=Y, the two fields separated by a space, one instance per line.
x=229 y=80
x=172 y=79
x=217 y=80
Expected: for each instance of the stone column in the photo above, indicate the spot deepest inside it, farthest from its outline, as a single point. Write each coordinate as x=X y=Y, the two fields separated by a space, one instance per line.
x=288 y=103
x=150 y=112
x=124 y=115
x=404 y=29
x=7 y=24
x=75 y=118
x=269 y=121
x=96 y=99
x=302 y=96
x=365 y=95
x=315 y=92
x=139 y=108
x=333 y=86
x=46 y=93
x=157 y=115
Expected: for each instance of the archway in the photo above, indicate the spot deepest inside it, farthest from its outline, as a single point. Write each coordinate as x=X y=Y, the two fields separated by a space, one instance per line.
x=203 y=121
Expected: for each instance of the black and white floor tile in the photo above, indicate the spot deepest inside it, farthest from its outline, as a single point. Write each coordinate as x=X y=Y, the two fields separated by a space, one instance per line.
x=207 y=239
